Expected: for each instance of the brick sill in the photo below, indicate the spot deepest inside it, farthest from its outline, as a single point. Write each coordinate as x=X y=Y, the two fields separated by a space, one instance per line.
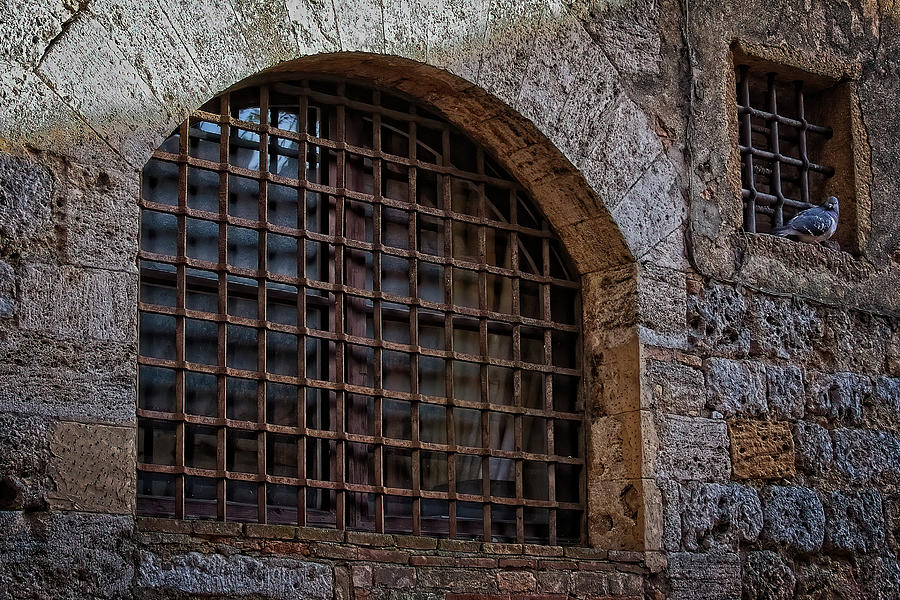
x=392 y=548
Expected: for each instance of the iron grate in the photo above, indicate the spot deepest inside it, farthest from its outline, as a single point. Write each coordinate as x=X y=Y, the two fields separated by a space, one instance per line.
x=352 y=317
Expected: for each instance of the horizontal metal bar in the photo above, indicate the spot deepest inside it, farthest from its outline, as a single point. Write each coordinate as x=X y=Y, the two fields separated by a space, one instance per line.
x=827 y=171
x=356 y=487
x=826 y=131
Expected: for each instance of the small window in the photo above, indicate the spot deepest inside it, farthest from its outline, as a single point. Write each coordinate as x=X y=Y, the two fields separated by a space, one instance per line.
x=795 y=146
x=352 y=317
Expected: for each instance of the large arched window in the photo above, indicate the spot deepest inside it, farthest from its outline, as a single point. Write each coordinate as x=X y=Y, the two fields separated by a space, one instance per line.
x=352 y=317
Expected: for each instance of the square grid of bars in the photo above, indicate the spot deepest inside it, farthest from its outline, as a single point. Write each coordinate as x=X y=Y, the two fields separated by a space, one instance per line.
x=776 y=142
x=381 y=336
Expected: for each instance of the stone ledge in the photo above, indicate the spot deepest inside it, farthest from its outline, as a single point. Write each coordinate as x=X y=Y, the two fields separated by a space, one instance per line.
x=331 y=544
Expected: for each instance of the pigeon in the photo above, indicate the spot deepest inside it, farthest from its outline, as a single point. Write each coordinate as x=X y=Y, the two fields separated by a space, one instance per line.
x=812 y=225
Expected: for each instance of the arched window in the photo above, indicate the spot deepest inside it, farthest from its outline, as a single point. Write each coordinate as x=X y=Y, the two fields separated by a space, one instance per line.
x=352 y=317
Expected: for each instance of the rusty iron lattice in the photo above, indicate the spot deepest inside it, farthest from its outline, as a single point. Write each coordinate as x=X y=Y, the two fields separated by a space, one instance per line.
x=352 y=317
x=775 y=146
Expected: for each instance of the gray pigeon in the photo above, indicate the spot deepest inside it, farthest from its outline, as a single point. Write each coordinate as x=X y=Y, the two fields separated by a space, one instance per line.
x=813 y=224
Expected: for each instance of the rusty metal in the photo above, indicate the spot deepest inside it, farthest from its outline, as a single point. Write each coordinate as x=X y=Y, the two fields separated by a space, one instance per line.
x=775 y=144
x=337 y=459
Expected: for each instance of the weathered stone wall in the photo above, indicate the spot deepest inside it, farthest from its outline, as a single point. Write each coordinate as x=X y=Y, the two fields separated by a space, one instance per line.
x=743 y=391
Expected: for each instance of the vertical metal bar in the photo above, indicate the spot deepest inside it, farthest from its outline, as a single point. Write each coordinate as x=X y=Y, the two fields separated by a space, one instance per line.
x=483 y=344
x=517 y=357
x=414 y=328
x=446 y=204
x=747 y=134
x=339 y=317
x=221 y=437
x=262 y=268
x=548 y=377
x=801 y=116
x=377 y=324
x=775 y=148
x=180 y=293
x=302 y=191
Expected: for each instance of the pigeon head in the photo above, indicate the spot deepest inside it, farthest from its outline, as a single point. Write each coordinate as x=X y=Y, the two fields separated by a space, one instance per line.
x=831 y=204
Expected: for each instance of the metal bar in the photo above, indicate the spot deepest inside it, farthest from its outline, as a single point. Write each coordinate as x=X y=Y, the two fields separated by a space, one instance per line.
x=776 y=150
x=747 y=134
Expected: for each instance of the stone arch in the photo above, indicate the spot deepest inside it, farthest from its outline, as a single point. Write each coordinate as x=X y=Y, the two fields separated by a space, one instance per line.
x=565 y=129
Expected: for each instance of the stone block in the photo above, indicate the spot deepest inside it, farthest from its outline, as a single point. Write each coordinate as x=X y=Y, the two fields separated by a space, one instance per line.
x=57 y=555
x=766 y=577
x=93 y=468
x=458 y=580
x=394 y=577
x=24 y=453
x=761 y=449
x=236 y=575
x=812 y=448
x=716 y=319
x=887 y=393
x=26 y=189
x=71 y=379
x=736 y=387
x=516 y=582
x=854 y=521
x=879 y=577
x=786 y=329
x=7 y=290
x=793 y=517
x=786 y=397
x=864 y=456
x=839 y=397
x=617 y=514
x=718 y=516
x=85 y=47
x=693 y=448
x=673 y=387
x=827 y=578
x=79 y=303
x=708 y=576
x=661 y=306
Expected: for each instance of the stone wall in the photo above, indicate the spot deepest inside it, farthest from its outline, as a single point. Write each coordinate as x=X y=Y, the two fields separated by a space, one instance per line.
x=743 y=391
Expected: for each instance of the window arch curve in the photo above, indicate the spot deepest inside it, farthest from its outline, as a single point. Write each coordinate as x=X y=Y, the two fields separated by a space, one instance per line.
x=351 y=316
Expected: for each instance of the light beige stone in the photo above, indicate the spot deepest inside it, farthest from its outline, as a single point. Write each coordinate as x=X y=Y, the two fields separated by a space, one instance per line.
x=761 y=449
x=93 y=468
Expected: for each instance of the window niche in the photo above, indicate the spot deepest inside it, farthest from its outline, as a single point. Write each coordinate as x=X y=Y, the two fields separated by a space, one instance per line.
x=352 y=317
x=795 y=137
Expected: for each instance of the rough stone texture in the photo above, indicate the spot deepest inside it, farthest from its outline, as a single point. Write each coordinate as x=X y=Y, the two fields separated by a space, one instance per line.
x=716 y=321
x=786 y=396
x=91 y=467
x=704 y=576
x=24 y=453
x=694 y=449
x=854 y=521
x=766 y=577
x=827 y=578
x=812 y=448
x=66 y=556
x=840 y=397
x=77 y=380
x=864 y=456
x=719 y=516
x=761 y=449
x=879 y=577
x=736 y=387
x=793 y=517
x=26 y=189
x=195 y=573
x=7 y=290
x=674 y=387
x=79 y=303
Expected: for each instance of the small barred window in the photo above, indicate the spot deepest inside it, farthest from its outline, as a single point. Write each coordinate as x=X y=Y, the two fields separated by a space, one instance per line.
x=352 y=317
x=781 y=146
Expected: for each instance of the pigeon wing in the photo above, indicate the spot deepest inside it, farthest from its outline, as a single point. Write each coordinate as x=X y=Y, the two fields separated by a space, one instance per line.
x=813 y=221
